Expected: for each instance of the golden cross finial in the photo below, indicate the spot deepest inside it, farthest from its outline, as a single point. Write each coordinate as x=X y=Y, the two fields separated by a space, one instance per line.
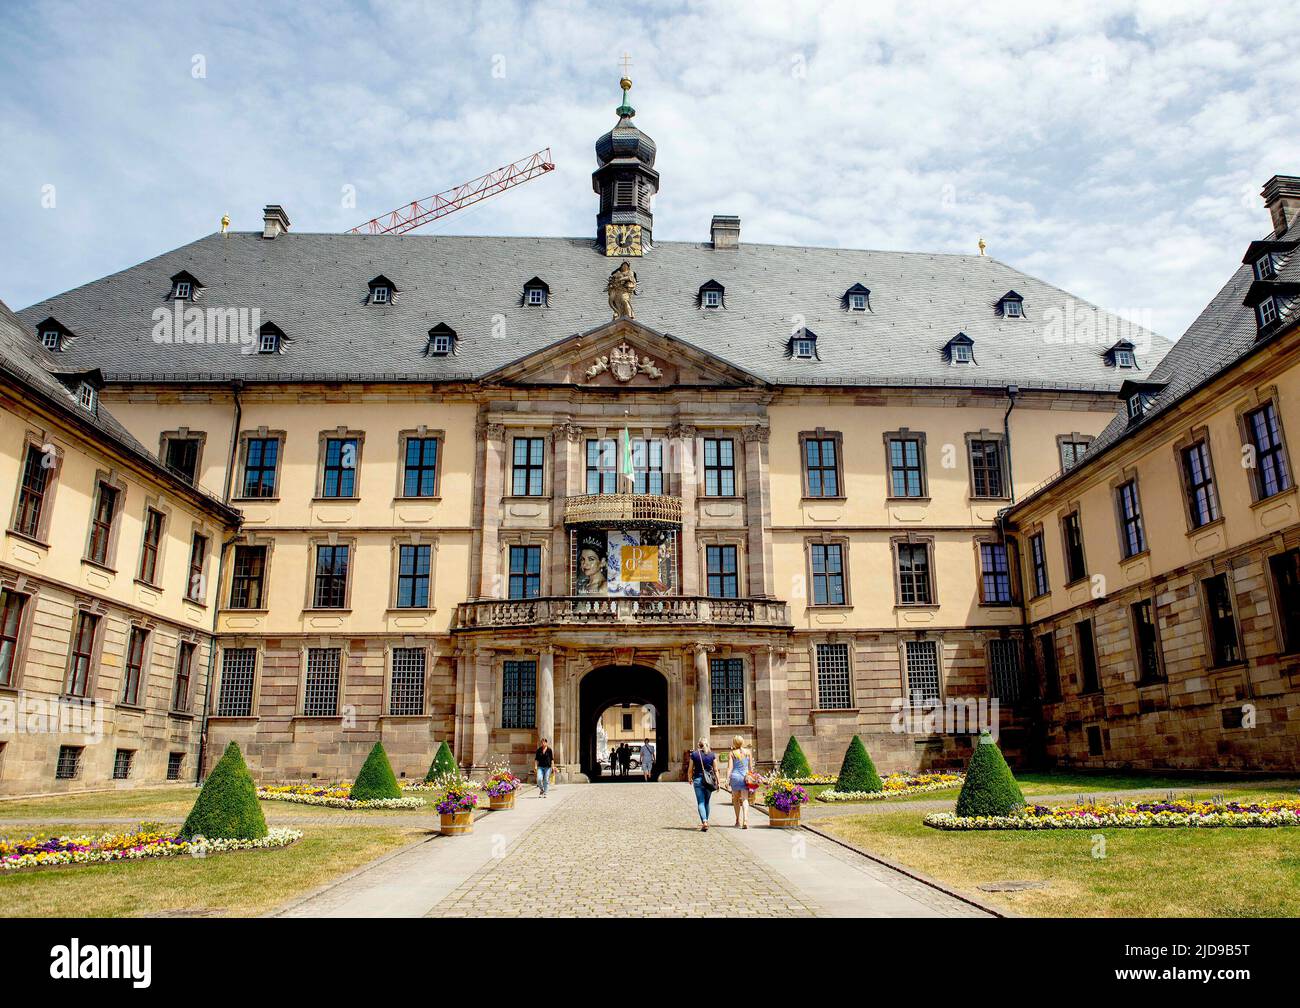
x=627 y=63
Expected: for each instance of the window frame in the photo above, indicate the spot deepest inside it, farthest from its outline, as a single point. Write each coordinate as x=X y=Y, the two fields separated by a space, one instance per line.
x=414 y=578
x=528 y=468
x=101 y=531
x=1277 y=451
x=135 y=666
x=821 y=438
x=1128 y=518
x=183 y=676
x=184 y=436
x=1087 y=674
x=720 y=470
x=524 y=576
x=1078 y=443
x=1288 y=634
x=324 y=468
x=1145 y=677
x=315 y=585
x=906 y=435
x=263 y=437
x=247 y=580
x=985 y=438
x=515 y=715
x=982 y=544
x=1214 y=624
x=1014 y=647
x=1040 y=577
x=196 y=585
x=151 y=550
x=905 y=652
x=241 y=651
x=719 y=550
x=850 y=696
x=423 y=438
x=1199 y=445
x=733 y=694
x=911 y=543
x=1073 y=518
x=1051 y=666
x=329 y=653
x=74 y=674
x=13 y=632
x=36 y=530
x=391 y=690
x=810 y=551
x=600 y=470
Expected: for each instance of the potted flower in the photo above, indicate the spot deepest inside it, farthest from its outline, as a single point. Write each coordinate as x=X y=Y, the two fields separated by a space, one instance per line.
x=456 y=804
x=784 y=799
x=501 y=788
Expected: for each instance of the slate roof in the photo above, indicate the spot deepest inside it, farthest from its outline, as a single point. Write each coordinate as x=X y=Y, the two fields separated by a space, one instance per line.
x=1223 y=335
x=26 y=362
x=314 y=287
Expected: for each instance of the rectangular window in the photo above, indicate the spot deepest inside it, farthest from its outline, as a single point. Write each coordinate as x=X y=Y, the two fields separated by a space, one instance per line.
x=627 y=722
x=1286 y=578
x=602 y=466
x=420 y=477
x=1266 y=312
x=331 y=587
x=150 y=545
x=1225 y=649
x=1071 y=453
x=722 y=576
x=914 y=586
x=1051 y=671
x=134 y=670
x=995 y=574
x=175 y=760
x=905 y=471
x=11 y=620
x=1004 y=668
x=31 y=494
x=340 y=476
x=101 y=523
x=821 y=467
x=413 y=576
x=248 y=572
x=647 y=466
x=525 y=572
x=719 y=467
x=196 y=590
x=320 y=695
x=1265 y=267
x=1038 y=558
x=406 y=687
x=1147 y=641
x=986 y=469
x=122 y=759
x=828 y=573
x=1072 y=529
x=528 y=468
x=519 y=694
x=1272 y=475
x=834 y=691
x=182 y=457
x=235 y=697
x=1132 y=538
x=922 y=659
x=69 y=765
x=83 y=649
x=1088 y=680
x=261 y=460
x=727 y=680
x=184 y=673
x=1198 y=482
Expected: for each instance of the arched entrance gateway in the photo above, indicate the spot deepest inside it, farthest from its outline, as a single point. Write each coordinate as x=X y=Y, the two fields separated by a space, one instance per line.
x=614 y=685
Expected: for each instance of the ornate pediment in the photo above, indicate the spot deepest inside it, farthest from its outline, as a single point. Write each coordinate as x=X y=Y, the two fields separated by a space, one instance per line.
x=622 y=354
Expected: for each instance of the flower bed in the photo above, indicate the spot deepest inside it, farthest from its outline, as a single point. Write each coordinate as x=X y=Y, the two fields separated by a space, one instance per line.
x=817 y=778
x=896 y=785
x=1172 y=812
x=332 y=796
x=37 y=852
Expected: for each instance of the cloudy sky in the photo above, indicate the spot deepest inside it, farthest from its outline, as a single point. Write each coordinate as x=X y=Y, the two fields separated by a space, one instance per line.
x=1115 y=149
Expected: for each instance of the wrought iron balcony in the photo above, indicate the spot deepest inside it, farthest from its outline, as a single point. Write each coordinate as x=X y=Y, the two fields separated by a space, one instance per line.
x=622 y=508
x=666 y=610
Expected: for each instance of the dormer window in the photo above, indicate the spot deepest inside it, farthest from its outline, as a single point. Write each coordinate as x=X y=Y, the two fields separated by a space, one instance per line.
x=50 y=339
x=1138 y=396
x=1121 y=355
x=712 y=295
x=382 y=290
x=537 y=294
x=442 y=341
x=184 y=286
x=269 y=338
x=1266 y=267
x=1266 y=312
x=53 y=334
x=1011 y=305
x=87 y=397
x=960 y=349
x=802 y=345
x=1138 y=403
x=856 y=298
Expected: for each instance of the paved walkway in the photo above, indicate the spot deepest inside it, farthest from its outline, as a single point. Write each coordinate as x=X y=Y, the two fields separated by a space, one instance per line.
x=626 y=850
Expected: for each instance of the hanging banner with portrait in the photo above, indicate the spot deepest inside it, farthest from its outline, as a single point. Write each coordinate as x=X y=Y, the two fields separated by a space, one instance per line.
x=614 y=563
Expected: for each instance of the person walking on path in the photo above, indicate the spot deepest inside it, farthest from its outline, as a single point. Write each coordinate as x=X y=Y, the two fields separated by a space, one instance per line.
x=740 y=765
x=544 y=760
x=647 y=759
x=701 y=771
x=624 y=759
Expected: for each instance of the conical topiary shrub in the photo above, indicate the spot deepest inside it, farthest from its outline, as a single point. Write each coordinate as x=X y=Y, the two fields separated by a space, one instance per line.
x=443 y=763
x=857 y=772
x=375 y=779
x=226 y=808
x=794 y=764
x=989 y=789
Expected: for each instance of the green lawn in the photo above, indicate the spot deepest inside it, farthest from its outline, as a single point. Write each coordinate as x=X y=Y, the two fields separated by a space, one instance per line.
x=1145 y=872
x=240 y=883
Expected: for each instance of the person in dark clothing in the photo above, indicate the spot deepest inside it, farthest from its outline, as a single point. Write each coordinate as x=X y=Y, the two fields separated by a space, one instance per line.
x=701 y=771
x=544 y=760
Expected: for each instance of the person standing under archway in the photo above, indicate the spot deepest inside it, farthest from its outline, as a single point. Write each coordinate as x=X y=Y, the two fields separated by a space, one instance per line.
x=647 y=759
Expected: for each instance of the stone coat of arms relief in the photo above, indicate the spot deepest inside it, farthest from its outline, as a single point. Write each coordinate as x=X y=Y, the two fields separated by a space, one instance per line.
x=624 y=364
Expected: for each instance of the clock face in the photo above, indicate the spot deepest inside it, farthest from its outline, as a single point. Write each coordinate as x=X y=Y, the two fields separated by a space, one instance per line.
x=622 y=239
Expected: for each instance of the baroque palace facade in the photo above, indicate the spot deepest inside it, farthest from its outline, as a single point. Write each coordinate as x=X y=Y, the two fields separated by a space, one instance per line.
x=487 y=488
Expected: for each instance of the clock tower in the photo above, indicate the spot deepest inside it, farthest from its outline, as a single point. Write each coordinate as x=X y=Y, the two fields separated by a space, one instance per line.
x=626 y=182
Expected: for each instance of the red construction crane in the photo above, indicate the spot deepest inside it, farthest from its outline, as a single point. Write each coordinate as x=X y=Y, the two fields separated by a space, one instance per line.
x=416 y=214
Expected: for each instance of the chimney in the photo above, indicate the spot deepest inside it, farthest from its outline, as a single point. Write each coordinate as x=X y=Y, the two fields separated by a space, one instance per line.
x=725 y=232
x=274 y=220
x=1282 y=197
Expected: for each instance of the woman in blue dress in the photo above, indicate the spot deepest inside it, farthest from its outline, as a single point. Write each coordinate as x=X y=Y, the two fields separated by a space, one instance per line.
x=740 y=764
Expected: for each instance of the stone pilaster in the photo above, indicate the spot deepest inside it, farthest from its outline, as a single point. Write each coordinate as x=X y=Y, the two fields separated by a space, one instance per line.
x=687 y=487
x=491 y=578
x=758 y=513
x=546 y=695
x=703 y=720
x=772 y=726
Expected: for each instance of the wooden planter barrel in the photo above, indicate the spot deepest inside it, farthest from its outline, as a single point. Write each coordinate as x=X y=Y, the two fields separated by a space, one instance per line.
x=497 y=803
x=783 y=820
x=457 y=823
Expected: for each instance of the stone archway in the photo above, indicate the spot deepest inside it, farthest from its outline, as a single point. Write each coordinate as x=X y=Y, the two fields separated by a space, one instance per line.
x=610 y=685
